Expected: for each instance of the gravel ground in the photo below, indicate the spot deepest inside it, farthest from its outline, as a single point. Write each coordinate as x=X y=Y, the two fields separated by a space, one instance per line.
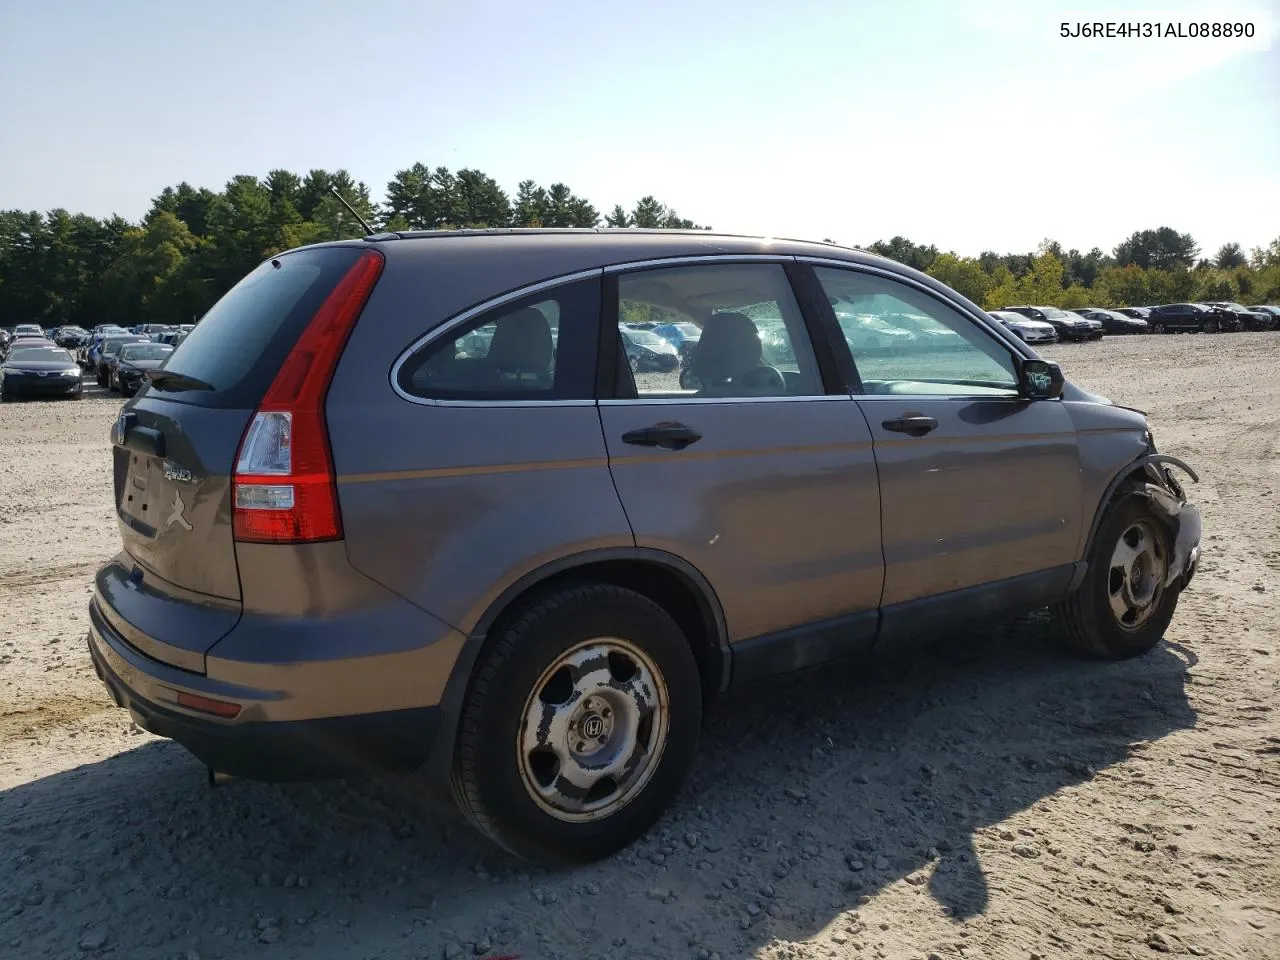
x=988 y=798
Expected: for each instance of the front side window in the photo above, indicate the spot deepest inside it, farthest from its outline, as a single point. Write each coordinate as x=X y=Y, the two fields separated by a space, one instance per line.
x=905 y=341
x=741 y=333
x=541 y=347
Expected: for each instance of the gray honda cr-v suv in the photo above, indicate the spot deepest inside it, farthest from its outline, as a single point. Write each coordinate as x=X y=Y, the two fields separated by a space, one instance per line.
x=402 y=502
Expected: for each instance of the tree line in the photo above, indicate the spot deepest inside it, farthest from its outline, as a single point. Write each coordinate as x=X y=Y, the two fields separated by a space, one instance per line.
x=193 y=244
x=1150 y=266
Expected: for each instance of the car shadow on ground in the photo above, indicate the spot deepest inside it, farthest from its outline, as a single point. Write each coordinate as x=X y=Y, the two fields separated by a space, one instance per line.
x=812 y=793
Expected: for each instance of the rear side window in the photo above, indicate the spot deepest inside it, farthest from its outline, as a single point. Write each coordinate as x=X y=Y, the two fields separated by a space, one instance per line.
x=241 y=343
x=540 y=347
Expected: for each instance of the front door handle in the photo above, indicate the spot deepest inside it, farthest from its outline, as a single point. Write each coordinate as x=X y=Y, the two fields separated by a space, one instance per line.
x=664 y=436
x=911 y=426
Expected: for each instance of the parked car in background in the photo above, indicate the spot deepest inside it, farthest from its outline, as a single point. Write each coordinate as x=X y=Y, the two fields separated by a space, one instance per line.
x=530 y=574
x=1272 y=311
x=29 y=330
x=127 y=369
x=1026 y=329
x=171 y=335
x=1114 y=322
x=682 y=335
x=1138 y=313
x=646 y=351
x=92 y=351
x=39 y=371
x=1249 y=319
x=110 y=347
x=1187 y=318
x=71 y=337
x=29 y=342
x=1069 y=326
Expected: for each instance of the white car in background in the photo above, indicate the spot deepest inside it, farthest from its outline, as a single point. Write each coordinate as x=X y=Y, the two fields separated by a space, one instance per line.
x=1026 y=329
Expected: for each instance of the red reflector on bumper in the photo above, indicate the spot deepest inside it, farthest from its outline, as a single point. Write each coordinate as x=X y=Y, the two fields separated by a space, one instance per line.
x=219 y=708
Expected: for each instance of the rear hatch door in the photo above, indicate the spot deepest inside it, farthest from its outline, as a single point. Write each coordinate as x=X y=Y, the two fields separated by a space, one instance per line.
x=176 y=587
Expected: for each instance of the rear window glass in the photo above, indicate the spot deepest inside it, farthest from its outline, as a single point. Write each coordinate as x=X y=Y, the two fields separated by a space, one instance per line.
x=241 y=343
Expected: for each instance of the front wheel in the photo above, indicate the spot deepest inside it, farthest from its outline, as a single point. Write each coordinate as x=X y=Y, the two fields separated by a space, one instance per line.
x=1129 y=593
x=579 y=727
x=1212 y=326
x=1157 y=327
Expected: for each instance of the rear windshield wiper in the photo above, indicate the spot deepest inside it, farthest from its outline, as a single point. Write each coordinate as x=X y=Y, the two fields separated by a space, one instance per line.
x=172 y=380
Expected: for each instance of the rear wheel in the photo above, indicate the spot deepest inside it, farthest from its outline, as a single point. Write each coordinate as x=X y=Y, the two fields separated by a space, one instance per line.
x=580 y=725
x=1127 y=599
x=634 y=362
x=1212 y=325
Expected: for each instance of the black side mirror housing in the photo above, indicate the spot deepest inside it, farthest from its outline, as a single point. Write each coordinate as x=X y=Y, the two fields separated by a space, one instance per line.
x=1040 y=380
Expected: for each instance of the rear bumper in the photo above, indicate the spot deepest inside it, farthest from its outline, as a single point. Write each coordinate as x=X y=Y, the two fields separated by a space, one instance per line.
x=310 y=749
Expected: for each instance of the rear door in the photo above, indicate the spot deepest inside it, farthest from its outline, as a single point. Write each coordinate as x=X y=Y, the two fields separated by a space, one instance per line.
x=747 y=466
x=977 y=484
x=174 y=447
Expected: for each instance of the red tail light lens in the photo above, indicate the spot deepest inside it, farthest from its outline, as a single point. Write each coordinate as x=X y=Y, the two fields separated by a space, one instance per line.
x=285 y=489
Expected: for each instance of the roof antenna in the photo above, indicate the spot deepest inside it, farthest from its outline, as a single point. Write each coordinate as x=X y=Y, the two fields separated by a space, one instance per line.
x=368 y=230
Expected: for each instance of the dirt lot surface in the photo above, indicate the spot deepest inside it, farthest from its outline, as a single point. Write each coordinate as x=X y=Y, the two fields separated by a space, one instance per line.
x=991 y=798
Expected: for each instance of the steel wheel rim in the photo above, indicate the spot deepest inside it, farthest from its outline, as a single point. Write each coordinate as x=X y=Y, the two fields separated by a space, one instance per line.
x=593 y=730
x=1136 y=575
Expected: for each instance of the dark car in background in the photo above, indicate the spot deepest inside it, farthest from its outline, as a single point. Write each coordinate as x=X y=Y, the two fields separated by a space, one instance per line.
x=28 y=330
x=1271 y=311
x=1138 y=313
x=89 y=353
x=1248 y=318
x=110 y=347
x=39 y=371
x=1069 y=326
x=1188 y=318
x=646 y=351
x=1115 y=323
x=682 y=335
x=127 y=369
x=71 y=337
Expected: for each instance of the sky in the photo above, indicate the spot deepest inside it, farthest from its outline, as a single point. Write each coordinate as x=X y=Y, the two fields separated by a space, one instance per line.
x=969 y=125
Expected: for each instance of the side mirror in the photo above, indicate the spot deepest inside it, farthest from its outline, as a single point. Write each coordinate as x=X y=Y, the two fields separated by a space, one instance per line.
x=1040 y=380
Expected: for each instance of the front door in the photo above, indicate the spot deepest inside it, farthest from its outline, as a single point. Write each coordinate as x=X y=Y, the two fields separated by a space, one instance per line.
x=978 y=485
x=744 y=465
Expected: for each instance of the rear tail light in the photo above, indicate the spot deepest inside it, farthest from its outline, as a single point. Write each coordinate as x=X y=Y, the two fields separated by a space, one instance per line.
x=285 y=488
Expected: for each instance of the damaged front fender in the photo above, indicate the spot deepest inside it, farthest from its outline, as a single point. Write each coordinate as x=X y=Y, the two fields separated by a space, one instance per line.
x=1169 y=502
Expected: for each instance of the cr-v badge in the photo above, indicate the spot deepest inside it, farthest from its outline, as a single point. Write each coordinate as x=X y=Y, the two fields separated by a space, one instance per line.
x=176 y=516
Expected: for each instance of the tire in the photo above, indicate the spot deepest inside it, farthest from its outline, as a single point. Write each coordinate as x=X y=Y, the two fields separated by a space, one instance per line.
x=494 y=785
x=1157 y=327
x=1212 y=325
x=1088 y=623
x=112 y=384
x=633 y=361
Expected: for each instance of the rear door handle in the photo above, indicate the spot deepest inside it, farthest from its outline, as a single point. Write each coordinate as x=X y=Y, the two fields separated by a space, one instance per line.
x=911 y=426
x=664 y=436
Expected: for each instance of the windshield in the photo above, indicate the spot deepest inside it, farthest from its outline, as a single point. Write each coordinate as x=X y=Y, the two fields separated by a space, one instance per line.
x=112 y=347
x=688 y=329
x=41 y=353
x=1052 y=312
x=145 y=351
